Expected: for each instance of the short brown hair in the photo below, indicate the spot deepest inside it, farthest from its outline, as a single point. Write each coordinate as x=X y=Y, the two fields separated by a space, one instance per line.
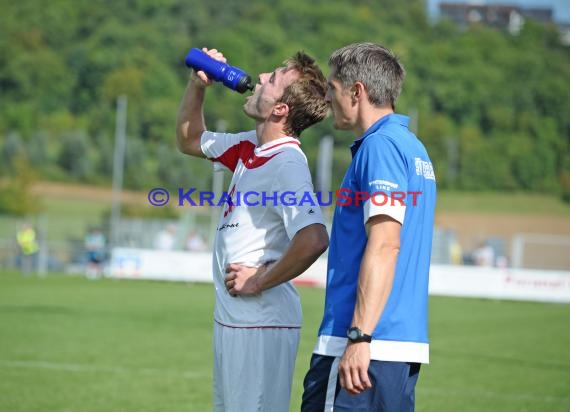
x=306 y=95
x=375 y=66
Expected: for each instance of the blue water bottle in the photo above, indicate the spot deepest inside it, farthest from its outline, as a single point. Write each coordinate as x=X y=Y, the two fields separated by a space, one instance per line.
x=232 y=77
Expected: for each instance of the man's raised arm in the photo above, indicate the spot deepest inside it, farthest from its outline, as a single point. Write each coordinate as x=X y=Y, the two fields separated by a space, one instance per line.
x=190 y=123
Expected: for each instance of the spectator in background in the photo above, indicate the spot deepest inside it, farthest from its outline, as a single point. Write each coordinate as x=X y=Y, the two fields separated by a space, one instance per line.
x=455 y=253
x=95 y=243
x=194 y=242
x=27 y=248
x=165 y=238
x=484 y=255
x=455 y=249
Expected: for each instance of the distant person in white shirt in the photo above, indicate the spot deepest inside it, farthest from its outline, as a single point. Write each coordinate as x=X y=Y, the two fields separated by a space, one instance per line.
x=261 y=243
x=165 y=238
x=484 y=255
x=195 y=243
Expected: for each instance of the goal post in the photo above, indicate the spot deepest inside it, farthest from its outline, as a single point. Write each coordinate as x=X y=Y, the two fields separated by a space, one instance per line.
x=540 y=251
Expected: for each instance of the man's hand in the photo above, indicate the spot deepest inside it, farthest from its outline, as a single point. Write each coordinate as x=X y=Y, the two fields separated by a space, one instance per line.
x=243 y=280
x=353 y=368
x=199 y=77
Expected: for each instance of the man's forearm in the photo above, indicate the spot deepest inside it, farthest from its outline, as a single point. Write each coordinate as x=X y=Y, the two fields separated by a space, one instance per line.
x=305 y=248
x=377 y=271
x=374 y=286
x=190 y=123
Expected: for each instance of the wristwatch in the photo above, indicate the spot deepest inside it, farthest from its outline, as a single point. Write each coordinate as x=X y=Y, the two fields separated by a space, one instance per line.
x=355 y=335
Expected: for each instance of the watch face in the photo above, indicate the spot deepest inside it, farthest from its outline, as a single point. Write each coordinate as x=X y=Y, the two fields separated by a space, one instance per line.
x=353 y=333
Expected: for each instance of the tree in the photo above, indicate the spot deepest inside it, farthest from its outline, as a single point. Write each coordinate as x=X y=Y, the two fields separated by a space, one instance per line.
x=16 y=197
x=74 y=156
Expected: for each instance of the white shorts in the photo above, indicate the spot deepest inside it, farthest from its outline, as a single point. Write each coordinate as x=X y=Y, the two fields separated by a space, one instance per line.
x=253 y=368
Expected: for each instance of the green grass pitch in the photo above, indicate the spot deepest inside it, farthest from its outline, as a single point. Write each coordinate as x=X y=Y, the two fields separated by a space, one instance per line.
x=70 y=344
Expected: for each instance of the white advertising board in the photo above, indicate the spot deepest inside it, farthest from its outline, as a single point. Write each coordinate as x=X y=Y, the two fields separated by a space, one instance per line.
x=445 y=280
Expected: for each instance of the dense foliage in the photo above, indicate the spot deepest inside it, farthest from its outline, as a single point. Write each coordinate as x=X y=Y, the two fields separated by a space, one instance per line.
x=493 y=109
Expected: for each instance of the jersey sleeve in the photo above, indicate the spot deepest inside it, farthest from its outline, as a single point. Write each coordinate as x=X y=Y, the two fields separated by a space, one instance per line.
x=382 y=175
x=225 y=149
x=297 y=203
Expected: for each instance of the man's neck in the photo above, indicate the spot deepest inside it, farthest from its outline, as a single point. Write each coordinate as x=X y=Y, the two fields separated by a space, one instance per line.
x=368 y=116
x=267 y=132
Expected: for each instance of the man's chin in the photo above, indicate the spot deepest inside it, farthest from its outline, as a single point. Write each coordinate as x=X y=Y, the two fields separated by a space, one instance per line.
x=251 y=114
x=341 y=126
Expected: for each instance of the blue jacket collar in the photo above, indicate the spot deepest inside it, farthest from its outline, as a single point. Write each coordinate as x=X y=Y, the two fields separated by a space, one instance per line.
x=390 y=118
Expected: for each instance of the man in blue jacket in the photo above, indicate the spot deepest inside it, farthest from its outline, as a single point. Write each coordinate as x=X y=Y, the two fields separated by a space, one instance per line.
x=373 y=336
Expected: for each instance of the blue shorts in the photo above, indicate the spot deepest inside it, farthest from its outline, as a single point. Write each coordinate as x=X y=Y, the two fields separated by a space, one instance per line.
x=393 y=387
x=95 y=257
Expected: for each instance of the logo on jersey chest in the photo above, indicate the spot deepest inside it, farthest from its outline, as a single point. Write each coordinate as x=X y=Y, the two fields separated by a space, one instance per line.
x=228 y=226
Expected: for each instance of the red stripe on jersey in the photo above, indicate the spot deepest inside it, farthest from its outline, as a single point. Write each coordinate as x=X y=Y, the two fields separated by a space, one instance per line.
x=243 y=150
x=280 y=144
x=255 y=161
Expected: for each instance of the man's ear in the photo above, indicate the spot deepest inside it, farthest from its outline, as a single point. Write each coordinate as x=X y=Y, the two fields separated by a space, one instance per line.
x=280 y=109
x=357 y=91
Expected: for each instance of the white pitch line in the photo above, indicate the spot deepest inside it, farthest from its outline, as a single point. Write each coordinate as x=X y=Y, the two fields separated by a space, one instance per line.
x=475 y=393
x=84 y=368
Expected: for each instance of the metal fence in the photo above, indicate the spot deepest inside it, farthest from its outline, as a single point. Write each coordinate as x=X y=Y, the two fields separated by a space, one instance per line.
x=194 y=231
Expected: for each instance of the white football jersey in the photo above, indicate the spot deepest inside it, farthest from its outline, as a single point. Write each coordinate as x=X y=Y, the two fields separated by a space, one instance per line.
x=272 y=198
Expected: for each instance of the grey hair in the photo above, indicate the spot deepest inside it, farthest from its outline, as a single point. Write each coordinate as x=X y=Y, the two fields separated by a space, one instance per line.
x=375 y=66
